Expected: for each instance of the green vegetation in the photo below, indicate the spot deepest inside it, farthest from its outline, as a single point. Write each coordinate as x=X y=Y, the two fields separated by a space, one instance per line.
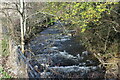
x=97 y=23
x=80 y=14
x=5 y=53
x=95 y=20
x=4 y=74
x=5 y=46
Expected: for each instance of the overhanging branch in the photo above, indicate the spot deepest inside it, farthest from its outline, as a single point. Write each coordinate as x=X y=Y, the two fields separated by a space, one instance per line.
x=41 y=13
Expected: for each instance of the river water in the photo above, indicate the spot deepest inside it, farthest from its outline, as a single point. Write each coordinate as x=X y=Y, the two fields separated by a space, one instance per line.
x=57 y=54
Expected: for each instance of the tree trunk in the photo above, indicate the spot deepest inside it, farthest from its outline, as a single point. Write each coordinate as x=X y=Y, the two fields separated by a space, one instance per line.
x=24 y=18
x=22 y=23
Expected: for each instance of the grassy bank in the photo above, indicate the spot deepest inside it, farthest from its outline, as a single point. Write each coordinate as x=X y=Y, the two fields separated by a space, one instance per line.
x=5 y=46
x=4 y=54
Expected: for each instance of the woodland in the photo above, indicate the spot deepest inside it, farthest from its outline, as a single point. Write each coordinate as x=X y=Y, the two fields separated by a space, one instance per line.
x=95 y=25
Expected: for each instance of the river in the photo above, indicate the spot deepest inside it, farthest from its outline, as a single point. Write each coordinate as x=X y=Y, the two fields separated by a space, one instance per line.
x=57 y=54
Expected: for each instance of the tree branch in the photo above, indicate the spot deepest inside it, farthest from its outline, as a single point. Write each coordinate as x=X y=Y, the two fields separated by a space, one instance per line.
x=41 y=13
x=17 y=8
x=113 y=26
x=115 y=12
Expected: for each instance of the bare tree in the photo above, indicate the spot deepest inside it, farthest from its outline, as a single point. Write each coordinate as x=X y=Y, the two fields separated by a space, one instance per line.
x=22 y=23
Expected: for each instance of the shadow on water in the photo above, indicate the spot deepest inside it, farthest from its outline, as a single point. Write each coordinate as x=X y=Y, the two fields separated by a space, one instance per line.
x=59 y=55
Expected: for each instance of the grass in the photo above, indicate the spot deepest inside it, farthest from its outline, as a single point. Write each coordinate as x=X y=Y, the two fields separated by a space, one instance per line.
x=5 y=46
x=5 y=52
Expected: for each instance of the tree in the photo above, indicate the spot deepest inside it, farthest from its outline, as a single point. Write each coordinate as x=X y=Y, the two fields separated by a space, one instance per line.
x=22 y=23
x=79 y=13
